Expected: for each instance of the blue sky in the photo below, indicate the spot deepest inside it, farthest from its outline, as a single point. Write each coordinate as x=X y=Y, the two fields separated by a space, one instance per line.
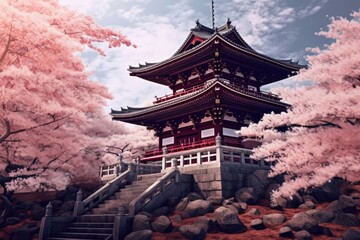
x=278 y=28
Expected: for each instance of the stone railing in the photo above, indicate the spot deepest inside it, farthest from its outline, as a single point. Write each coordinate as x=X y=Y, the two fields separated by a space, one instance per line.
x=157 y=193
x=103 y=193
x=50 y=225
x=212 y=154
x=108 y=172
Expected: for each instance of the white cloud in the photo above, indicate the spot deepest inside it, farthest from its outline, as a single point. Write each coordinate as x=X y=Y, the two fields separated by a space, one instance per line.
x=131 y=14
x=95 y=8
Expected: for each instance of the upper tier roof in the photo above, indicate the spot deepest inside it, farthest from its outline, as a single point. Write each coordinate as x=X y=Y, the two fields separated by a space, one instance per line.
x=198 y=42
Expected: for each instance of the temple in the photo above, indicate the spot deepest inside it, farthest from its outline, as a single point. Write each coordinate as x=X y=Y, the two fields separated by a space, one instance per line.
x=215 y=78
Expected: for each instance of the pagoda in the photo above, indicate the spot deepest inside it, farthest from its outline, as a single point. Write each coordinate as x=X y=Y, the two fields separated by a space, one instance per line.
x=215 y=79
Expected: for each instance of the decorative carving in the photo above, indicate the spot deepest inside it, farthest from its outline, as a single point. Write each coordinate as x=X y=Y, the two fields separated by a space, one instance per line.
x=217 y=115
x=196 y=120
x=174 y=125
x=158 y=128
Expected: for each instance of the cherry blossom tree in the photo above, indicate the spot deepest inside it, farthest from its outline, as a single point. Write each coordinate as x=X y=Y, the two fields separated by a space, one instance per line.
x=318 y=138
x=52 y=120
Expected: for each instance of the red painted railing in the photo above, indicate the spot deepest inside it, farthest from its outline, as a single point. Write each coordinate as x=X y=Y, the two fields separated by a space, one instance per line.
x=177 y=94
x=182 y=147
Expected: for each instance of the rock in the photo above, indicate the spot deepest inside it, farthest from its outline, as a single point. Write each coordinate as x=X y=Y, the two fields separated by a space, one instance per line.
x=21 y=214
x=215 y=200
x=67 y=206
x=309 y=198
x=257 y=224
x=141 y=222
x=182 y=204
x=259 y=181
x=26 y=205
x=308 y=205
x=172 y=202
x=346 y=204
x=241 y=207
x=253 y=212
x=346 y=219
x=161 y=224
x=194 y=196
x=273 y=219
x=149 y=215
x=24 y=233
x=161 y=211
x=228 y=221
x=327 y=192
x=285 y=232
x=140 y=235
x=37 y=212
x=197 y=208
x=303 y=235
x=302 y=221
x=193 y=232
x=321 y=216
x=12 y=221
x=176 y=218
x=279 y=203
x=325 y=231
x=232 y=208
x=246 y=195
x=351 y=234
x=56 y=204
x=206 y=223
x=272 y=187
x=229 y=201
x=294 y=201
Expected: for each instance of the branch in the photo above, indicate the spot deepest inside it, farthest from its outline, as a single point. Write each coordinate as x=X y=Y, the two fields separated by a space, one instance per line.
x=7 y=47
x=7 y=132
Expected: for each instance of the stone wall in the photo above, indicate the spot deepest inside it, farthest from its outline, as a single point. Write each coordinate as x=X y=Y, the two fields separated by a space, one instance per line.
x=215 y=179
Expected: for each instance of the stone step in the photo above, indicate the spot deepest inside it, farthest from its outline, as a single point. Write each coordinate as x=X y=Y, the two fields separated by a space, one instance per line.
x=89 y=230
x=61 y=238
x=91 y=225
x=113 y=210
x=83 y=235
x=96 y=218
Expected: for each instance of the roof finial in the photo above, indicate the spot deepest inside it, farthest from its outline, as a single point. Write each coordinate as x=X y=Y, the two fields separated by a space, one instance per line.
x=213 y=14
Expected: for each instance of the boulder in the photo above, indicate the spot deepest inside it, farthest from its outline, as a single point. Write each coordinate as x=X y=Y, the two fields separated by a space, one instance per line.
x=302 y=221
x=176 y=218
x=26 y=205
x=37 y=212
x=308 y=205
x=232 y=208
x=254 y=212
x=344 y=204
x=272 y=187
x=241 y=207
x=194 y=196
x=24 y=233
x=197 y=208
x=12 y=221
x=273 y=219
x=346 y=219
x=351 y=234
x=295 y=201
x=257 y=224
x=279 y=203
x=215 y=200
x=321 y=216
x=141 y=222
x=182 y=204
x=303 y=235
x=161 y=224
x=246 y=195
x=229 y=201
x=209 y=225
x=228 y=221
x=259 y=181
x=285 y=232
x=193 y=232
x=161 y=211
x=325 y=231
x=172 y=202
x=67 y=206
x=326 y=193
x=140 y=235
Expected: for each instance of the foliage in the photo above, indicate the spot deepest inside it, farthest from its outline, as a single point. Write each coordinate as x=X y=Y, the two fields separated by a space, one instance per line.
x=318 y=138
x=52 y=120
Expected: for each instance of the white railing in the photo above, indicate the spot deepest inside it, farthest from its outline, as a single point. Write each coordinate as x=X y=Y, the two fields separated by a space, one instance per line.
x=108 y=172
x=211 y=154
x=103 y=193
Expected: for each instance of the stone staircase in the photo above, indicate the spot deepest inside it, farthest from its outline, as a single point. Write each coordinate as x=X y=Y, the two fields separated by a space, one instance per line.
x=98 y=223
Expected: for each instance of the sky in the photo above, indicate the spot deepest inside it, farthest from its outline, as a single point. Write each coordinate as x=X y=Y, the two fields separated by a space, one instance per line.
x=278 y=28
